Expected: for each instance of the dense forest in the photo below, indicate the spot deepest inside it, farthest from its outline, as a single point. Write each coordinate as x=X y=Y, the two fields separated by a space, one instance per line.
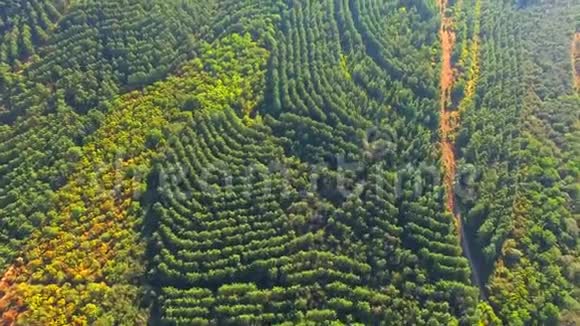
x=289 y=162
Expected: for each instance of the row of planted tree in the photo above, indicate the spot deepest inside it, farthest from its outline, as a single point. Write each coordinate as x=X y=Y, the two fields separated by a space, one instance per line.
x=285 y=175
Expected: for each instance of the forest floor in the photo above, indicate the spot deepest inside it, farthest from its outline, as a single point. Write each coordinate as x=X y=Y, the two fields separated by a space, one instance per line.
x=576 y=60
x=449 y=123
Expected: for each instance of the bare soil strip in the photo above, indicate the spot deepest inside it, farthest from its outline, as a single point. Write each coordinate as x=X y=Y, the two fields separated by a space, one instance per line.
x=576 y=60
x=449 y=122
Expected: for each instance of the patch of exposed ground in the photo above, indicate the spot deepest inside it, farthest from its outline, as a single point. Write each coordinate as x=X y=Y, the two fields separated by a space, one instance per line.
x=449 y=122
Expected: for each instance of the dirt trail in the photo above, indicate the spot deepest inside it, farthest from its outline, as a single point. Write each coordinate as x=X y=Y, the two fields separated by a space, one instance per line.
x=576 y=60
x=448 y=117
x=448 y=125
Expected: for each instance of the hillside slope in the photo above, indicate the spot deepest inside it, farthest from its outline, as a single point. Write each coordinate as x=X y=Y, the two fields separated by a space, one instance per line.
x=315 y=162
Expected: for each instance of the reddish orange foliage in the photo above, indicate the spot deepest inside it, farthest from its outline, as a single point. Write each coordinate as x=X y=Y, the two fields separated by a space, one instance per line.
x=9 y=303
